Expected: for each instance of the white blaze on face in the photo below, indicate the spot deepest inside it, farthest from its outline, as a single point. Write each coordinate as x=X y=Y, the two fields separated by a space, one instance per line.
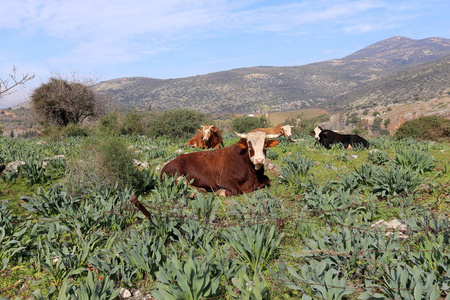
x=317 y=131
x=256 y=141
x=206 y=130
x=287 y=130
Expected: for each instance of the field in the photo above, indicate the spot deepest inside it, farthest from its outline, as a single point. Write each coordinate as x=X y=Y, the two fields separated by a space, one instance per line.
x=317 y=232
x=276 y=118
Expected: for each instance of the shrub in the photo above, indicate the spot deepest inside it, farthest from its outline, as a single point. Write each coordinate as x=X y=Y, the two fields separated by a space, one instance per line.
x=177 y=123
x=245 y=124
x=425 y=128
x=107 y=162
x=75 y=130
x=109 y=124
x=133 y=123
x=385 y=132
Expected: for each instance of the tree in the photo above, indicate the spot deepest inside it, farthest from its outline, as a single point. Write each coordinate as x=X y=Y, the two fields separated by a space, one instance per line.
x=353 y=119
x=60 y=102
x=7 y=85
x=376 y=126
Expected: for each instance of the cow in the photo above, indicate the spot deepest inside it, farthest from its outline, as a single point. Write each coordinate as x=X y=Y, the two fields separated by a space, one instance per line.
x=207 y=137
x=229 y=171
x=328 y=137
x=285 y=130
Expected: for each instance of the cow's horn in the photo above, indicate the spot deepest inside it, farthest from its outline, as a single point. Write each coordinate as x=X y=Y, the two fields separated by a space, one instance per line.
x=241 y=135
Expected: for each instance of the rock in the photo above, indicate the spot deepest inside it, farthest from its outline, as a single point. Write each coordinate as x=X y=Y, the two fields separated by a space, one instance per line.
x=12 y=166
x=393 y=226
x=124 y=293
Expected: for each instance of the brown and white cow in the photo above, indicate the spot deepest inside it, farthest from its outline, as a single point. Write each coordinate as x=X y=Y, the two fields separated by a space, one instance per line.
x=284 y=130
x=236 y=169
x=207 y=137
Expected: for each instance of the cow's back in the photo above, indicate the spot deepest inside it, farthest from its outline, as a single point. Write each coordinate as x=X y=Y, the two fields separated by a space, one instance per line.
x=358 y=140
x=269 y=130
x=205 y=167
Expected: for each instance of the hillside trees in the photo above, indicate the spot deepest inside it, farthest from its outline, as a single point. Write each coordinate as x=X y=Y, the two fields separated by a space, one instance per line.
x=60 y=102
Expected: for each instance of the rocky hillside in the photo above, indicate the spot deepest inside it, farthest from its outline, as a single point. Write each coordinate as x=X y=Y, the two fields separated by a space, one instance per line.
x=392 y=116
x=356 y=81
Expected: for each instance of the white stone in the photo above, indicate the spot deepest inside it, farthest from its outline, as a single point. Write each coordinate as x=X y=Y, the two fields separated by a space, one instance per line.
x=124 y=293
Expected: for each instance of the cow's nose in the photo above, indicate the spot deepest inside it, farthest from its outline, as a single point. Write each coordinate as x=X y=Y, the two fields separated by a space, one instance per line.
x=259 y=161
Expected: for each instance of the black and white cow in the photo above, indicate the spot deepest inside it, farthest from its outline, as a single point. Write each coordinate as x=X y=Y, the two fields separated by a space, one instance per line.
x=328 y=137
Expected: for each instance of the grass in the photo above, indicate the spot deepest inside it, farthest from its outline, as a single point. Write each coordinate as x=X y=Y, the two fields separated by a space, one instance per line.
x=297 y=225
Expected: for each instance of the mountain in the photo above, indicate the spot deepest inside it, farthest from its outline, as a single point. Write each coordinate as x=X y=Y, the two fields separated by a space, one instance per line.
x=392 y=70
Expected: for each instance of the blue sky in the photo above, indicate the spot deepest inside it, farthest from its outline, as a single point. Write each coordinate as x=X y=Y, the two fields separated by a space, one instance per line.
x=106 y=39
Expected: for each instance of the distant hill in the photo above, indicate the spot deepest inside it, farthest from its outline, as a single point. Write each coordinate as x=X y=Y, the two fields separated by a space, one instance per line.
x=419 y=83
x=397 y=69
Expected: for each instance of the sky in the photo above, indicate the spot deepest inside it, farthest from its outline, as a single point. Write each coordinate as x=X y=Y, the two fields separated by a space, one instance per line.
x=99 y=40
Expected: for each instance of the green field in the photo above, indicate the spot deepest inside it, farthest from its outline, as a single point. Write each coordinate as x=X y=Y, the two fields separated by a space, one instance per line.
x=69 y=231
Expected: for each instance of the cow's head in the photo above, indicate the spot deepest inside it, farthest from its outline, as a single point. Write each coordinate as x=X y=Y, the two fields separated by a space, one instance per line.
x=286 y=130
x=207 y=131
x=256 y=143
x=317 y=132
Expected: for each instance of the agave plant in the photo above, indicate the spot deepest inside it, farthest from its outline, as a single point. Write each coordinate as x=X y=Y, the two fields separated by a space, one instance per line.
x=192 y=279
x=393 y=181
x=317 y=280
x=414 y=159
x=255 y=244
x=294 y=171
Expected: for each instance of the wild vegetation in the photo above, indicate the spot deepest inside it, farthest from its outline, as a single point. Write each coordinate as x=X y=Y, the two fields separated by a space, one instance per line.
x=334 y=224
x=69 y=231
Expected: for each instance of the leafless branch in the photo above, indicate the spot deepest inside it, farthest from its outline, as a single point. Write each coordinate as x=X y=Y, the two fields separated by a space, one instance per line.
x=7 y=85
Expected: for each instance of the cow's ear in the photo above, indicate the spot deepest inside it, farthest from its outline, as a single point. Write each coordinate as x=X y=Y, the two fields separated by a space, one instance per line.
x=324 y=132
x=199 y=130
x=242 y=143
x=272 y=143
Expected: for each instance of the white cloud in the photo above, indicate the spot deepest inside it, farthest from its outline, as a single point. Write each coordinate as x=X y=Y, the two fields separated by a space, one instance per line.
x=101 y=32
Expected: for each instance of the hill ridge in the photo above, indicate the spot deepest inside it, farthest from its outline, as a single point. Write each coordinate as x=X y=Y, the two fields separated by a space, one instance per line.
x=255 y=89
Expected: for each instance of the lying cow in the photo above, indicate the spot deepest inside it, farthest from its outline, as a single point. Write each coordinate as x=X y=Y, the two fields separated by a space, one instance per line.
x=284 y=130
x=207 y=137
x=328 y=137
x=235 y=169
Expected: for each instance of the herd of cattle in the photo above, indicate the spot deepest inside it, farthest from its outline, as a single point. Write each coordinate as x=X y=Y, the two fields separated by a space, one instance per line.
x=239 y=168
